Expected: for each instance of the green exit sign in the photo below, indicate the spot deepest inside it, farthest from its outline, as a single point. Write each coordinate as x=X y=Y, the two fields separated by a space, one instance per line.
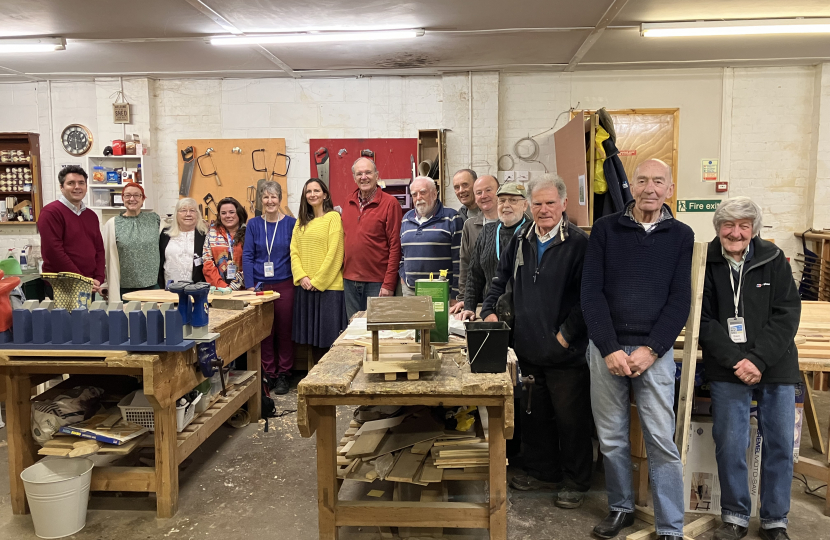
x=697 y=205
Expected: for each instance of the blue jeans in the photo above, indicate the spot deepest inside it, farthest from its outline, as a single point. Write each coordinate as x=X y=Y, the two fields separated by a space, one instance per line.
x=356 y=293
x=654 y=393
x=776 y=420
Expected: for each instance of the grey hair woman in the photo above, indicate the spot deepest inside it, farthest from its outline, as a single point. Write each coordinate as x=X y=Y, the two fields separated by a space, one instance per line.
x=181 y=245
x=750 y=315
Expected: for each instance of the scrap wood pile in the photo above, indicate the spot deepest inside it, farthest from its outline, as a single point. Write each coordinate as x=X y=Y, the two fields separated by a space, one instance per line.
x=813 y=337
x=416 y=447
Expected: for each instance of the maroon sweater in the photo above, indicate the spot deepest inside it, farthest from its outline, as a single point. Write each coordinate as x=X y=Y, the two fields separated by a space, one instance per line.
x=71 y=243
x=372 y=239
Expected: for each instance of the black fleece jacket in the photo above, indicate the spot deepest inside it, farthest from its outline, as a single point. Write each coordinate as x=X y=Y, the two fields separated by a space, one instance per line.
x=546 y=297
x=770 y=306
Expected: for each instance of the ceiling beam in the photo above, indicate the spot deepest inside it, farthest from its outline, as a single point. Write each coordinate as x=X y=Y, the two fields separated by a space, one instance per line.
x=230 y=27
x=16 y=73
x=610 y=14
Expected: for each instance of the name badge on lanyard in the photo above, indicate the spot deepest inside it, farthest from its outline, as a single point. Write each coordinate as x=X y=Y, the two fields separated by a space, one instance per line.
x=268 y=269
x=737 y=328
x=230 y=273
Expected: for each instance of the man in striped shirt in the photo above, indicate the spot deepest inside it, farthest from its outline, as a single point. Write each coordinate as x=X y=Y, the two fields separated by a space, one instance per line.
x=430 y=238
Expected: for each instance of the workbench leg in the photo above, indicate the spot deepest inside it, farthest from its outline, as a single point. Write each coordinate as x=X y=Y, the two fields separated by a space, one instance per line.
x=167 y=465
x=326 y=471
x=22 y=452
x=810 y=416
x=255 y=364
x=498 y=474
x=640 y=480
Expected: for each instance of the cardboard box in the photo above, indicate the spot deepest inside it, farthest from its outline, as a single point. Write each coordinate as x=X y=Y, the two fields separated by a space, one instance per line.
x=701 y=483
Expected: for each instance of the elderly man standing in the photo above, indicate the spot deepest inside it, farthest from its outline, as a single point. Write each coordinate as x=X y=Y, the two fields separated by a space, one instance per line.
x=462 y=184
x=495 y=237
x=372 y=227
x=485 y=189
x=750 y=315
x=636 y=294
x=430 y=238
x=543 y=263
x=70 y=233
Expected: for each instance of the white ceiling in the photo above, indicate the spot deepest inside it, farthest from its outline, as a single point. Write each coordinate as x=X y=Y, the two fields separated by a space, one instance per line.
x=460 y=35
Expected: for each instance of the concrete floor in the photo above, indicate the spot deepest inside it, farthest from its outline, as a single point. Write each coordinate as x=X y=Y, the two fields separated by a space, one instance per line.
x=246 y=484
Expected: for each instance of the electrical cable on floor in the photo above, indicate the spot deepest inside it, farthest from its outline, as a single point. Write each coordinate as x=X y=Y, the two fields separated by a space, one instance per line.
x=284 y=412
x=808 y=490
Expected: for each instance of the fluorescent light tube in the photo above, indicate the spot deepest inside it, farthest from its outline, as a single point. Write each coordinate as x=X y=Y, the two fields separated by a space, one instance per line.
x=27 y=45
x=736 y=28
x=317 y=37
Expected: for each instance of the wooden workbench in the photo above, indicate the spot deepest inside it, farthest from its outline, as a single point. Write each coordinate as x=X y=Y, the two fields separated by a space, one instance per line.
x=339 y=380
x=166 y=377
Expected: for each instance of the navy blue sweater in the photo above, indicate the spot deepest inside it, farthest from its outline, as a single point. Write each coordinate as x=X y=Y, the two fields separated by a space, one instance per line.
x=427 y=248
x=636 y=287
x=255 y=252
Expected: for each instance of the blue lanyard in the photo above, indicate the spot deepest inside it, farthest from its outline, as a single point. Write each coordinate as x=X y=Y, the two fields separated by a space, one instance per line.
x=230 y=245
x=498 y=237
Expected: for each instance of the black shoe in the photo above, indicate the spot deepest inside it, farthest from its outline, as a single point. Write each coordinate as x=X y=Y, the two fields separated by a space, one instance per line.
x=281 y=385
x=669 y=537
x=569 y=499
x=525 y=482
x=778 y=533
x=729 y=531
x=613 y=523
x=269 y=380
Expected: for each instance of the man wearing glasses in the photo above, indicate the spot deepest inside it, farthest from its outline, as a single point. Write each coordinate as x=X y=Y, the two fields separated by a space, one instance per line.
x=70 y=233
x=485 y=255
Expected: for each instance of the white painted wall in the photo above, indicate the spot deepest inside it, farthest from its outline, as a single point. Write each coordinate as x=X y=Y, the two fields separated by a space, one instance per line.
x=769 y=126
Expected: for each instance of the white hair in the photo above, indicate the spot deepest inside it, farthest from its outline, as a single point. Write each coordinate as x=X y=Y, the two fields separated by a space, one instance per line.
x=430 y=183
x=736 y=208
x=187 y=202
x=548 y=180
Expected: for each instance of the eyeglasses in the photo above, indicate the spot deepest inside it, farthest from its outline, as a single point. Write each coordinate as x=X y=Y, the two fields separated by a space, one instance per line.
x=132 y=196
x=511 y=200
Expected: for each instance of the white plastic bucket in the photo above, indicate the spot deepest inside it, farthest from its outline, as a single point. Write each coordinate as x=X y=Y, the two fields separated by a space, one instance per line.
x=58 y=493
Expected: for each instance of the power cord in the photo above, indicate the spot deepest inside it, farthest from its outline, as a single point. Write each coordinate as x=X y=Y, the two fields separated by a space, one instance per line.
x=807 y=489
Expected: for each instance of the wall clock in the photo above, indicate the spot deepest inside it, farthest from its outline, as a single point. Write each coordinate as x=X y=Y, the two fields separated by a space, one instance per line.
x=76 y=139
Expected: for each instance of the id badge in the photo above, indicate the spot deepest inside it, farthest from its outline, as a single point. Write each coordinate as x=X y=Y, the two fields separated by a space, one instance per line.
x=269 y=269
x=197 y=261
x=737 y=330
x=231 y=271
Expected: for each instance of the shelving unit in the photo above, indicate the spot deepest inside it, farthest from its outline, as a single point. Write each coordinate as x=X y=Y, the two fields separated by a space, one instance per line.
x=29 y=143
x=117 y=162
x=432 y=146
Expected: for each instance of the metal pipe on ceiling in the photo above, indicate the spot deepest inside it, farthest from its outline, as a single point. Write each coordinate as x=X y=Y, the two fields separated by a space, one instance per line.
x=470 y=101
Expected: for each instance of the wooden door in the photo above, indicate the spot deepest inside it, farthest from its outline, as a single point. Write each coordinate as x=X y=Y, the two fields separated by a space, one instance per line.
x=569 y=142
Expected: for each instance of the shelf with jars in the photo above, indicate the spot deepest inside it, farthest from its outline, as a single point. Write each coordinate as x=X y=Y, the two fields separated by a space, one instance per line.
x=21 y=197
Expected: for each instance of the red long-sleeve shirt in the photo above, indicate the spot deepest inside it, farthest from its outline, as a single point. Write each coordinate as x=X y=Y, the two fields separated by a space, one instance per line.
x=372 y=239
x=71 y=243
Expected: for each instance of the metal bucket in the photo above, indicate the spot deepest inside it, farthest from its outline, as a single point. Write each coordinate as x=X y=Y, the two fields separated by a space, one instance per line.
x=58 y=493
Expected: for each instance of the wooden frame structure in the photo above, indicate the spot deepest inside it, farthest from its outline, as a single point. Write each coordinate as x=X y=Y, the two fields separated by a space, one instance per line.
x=166 y=377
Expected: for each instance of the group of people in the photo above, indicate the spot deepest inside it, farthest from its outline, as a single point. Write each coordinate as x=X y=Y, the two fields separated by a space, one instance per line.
x=594 y=318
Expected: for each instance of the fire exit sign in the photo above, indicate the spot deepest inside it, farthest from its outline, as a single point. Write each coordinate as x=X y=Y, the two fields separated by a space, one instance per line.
x=697 y=205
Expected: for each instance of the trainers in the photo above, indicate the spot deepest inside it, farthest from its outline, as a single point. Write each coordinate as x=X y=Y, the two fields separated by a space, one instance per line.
x=729 y=531
x=777 y=533
x=281 y=385
x=569 y=499
x=525 y=482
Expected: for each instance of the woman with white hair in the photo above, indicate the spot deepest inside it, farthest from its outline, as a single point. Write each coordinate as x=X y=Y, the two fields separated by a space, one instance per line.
x=181 y=245
x=750 y=315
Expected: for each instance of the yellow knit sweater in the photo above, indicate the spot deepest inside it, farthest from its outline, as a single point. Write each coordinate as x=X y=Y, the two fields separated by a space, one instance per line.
x=317 y=252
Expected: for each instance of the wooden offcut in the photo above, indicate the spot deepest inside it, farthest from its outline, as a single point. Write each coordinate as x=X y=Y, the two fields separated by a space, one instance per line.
x=366 y=443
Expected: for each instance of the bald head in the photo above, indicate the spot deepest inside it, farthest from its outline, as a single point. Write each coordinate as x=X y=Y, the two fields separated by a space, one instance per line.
x=651 y=186
x=485 y=189
x=365 y=175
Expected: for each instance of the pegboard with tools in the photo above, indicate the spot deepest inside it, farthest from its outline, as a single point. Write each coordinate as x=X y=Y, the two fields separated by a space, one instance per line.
x=392 y=157
x=220 y=168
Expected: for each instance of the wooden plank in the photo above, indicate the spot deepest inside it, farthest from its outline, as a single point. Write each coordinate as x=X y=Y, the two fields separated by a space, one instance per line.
x=167 y=467
x=812 y=468
x=344 y=461
x=401 y=365
x=430 y=473
x=498 y=474
x=412 y=514
x=19 y=436
x=648 y=533
x=327 y=485
x=430 y=495
x=60 y=353
x=254 y=363
x=644 y=513
x=700 y=526
x=367 y=443
x=141 y=479
x=344 y=450
x=811 y=418
x=384 y=423
x=400 y=313
x=687 y=377
x=422 y=447
x=406 y=467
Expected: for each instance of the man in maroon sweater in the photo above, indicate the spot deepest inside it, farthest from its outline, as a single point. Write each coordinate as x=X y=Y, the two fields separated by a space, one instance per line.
x=372 y=226
x=70 y=234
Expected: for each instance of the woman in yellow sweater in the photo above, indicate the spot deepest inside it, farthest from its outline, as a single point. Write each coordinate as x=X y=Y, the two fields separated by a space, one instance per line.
x=317 y=266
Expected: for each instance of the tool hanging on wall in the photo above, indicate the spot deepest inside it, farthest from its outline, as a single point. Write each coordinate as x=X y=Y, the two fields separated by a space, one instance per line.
x=367 y=153
x=274 y=166
x=257 y=202
x=321 y=159
x=252 y=198
x=210 y=207
x=215 y=173
x=187 y=171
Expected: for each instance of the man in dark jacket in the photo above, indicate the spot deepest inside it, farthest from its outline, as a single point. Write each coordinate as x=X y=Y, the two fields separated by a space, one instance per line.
x=636 y=298
x=543 y=263
x=750 y=315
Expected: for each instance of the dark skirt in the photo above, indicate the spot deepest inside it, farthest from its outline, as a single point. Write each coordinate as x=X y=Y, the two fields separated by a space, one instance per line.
x=319 y=317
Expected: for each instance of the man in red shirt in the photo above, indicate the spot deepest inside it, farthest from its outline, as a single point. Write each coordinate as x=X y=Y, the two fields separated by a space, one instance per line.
x=70 y=234
x=372 y=225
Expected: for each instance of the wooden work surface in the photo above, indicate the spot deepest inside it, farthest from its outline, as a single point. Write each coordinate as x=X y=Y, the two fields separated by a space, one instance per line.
x=166 y=377
x=400 y=313
x=339 y=380
x=161 y=296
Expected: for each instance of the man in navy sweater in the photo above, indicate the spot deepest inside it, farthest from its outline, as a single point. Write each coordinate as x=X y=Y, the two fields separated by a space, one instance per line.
x=636 y=294
x=430 y=239
x=543 y=263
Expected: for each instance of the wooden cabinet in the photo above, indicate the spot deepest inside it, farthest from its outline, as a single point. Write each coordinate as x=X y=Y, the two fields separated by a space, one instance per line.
x=432 y=148
x=20 y=177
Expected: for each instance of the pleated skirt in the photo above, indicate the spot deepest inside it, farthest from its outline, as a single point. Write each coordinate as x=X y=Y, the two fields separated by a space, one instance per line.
x=319 y=317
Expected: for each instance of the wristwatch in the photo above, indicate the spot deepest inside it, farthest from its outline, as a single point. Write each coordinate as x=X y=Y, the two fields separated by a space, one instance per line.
x=653 y=352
